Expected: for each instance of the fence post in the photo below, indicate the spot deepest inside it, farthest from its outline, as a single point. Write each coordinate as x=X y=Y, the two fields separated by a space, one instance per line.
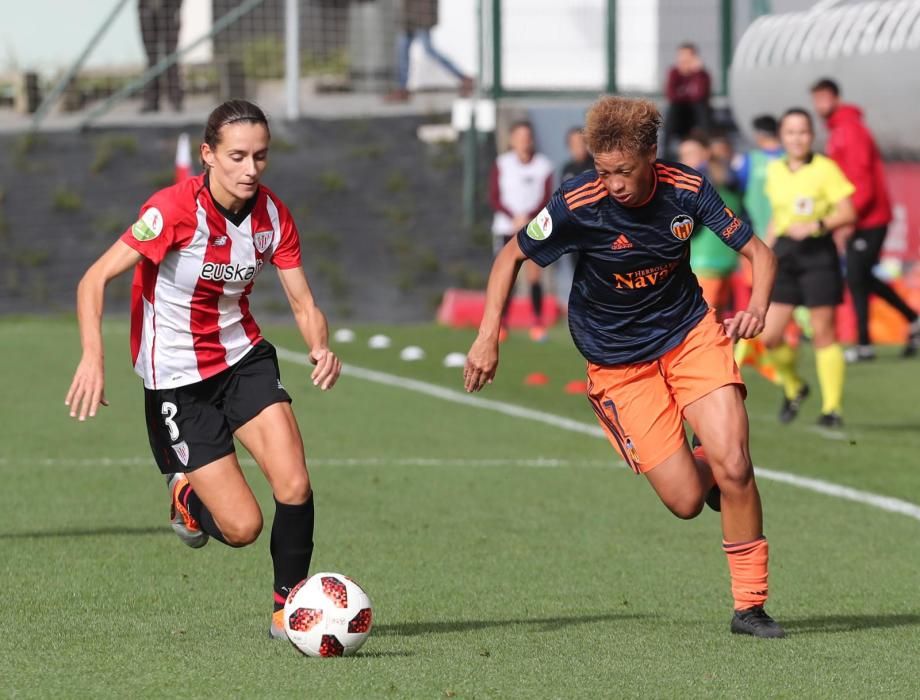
x=497 y=88
x=471 y=142
x=611 y=46
x=728 y=27
x=292 y=58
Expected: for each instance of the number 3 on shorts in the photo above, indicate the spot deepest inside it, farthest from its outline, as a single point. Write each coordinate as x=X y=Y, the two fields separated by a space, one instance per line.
x=170 y=410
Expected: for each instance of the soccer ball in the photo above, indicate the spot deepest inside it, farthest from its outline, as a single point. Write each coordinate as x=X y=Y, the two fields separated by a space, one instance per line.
x=328 y=615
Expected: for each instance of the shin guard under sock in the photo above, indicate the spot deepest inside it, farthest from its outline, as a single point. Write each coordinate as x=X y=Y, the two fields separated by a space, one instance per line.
x=747 y=564
x=291 y=546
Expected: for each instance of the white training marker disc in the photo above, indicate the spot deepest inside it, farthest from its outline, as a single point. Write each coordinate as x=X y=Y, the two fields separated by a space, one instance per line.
x=412 y=353
x=455 y=359
x=344 y=335
x=379 y=342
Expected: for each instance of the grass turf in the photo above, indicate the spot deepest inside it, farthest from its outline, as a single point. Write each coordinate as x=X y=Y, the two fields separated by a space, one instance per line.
x=493 y=574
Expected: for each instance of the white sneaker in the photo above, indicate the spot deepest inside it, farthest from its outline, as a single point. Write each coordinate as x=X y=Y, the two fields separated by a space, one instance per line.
x=859 y=353
x=184 y=525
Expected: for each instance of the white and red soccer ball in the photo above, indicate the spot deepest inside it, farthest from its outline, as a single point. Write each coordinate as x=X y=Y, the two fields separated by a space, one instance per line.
x=328 y=615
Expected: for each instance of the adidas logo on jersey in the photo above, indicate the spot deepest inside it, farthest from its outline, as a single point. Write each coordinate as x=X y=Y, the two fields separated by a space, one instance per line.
x=621 y=243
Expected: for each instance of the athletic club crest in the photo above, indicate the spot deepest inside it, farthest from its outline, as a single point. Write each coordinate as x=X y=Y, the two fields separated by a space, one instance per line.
x=263 y=239
x=181 y=450
x=682 y=227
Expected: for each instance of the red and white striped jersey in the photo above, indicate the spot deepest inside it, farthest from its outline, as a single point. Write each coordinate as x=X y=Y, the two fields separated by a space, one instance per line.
x=190 y=314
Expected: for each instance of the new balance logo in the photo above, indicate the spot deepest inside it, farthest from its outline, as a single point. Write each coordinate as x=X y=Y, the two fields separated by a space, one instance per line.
x=621 y=243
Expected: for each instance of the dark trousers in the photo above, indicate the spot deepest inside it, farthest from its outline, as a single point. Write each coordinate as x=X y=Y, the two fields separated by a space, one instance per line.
x=160 y=32
x=681 y=119
x=863 y=251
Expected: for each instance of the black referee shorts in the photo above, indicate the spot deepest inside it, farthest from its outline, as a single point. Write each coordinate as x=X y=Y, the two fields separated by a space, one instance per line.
x=808 y=272
x=193 y=425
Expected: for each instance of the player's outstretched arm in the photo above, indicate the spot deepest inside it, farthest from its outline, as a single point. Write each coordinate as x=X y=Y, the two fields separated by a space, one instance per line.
x=750 y=322
x=87 y=390
x=482 y=359
x=313 y=327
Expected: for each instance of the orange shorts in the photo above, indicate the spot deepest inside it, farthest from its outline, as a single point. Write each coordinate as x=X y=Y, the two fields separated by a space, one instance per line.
x=641 y=406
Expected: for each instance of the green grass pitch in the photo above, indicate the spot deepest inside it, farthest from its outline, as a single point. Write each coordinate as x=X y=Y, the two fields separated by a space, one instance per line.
x=505 y=558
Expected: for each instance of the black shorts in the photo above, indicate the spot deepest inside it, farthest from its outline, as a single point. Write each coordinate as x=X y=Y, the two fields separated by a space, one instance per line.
x=193 y=425
x=808 y=272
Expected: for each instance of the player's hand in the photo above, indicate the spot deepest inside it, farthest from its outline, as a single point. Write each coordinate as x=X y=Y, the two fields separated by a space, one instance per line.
x=745 y=324
x=842 y=237
x=327 y=370
x=801 y=230
x=87 y=390
x=481 y=364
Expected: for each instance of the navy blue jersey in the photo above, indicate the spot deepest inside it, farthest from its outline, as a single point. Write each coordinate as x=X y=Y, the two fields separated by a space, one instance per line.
x=634 y=296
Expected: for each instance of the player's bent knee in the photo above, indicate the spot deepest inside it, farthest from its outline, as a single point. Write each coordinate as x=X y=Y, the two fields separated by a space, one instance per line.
x=240 y=532
x=293 y=490
x=733 y=471
x=686 y=508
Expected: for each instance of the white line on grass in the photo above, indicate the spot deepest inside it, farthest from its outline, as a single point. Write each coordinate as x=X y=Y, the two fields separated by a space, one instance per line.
x=886 y=503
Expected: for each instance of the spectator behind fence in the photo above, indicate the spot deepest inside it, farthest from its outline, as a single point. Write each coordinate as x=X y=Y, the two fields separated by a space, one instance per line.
x=419 y=16
x=160 y=22
x=810 y=199
x=712 y=261
x=752 y=171
x=851 y=146
x=579 y=158
x=688 y=90
x=722 y=149
x=520 y=185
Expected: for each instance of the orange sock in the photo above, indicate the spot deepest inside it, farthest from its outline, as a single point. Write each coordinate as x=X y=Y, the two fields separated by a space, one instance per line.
x=747 y=564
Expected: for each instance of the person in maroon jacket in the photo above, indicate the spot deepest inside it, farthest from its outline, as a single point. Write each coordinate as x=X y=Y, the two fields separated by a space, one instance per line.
x=851 y=146
x=688 y=90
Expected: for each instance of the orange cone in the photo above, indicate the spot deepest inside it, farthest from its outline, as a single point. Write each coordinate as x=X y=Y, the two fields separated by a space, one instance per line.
x=536 y=379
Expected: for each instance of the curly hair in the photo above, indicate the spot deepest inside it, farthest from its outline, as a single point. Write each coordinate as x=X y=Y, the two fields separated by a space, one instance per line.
x=622 y=124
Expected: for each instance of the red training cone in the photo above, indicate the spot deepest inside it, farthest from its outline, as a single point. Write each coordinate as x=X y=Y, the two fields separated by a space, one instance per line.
x=536 y=379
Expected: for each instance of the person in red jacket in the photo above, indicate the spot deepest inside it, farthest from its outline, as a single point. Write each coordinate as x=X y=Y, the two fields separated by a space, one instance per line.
x=851 y=146
x=688 y=90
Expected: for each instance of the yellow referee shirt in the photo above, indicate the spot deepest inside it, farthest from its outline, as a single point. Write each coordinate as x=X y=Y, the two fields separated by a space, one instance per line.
x=807 y=194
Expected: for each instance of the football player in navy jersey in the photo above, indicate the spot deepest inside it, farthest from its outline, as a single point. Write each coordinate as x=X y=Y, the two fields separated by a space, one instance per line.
x=656 y=354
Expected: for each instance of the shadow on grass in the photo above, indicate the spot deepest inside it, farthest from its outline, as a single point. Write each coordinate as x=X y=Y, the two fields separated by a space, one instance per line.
x=88 y=532
x=544 y=624
x=836 y=624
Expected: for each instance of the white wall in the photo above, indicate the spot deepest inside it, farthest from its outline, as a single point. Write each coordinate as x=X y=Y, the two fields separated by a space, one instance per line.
x=548 y=45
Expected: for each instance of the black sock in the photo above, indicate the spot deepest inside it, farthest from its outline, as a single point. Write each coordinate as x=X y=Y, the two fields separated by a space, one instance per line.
x=198 y=511
x=291 y=546
x=536 y=299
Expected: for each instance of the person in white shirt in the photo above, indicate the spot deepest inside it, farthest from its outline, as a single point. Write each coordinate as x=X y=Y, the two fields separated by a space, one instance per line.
x=520 y=185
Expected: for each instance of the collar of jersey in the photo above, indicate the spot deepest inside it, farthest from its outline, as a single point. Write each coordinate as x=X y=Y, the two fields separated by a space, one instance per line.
x=235 y=218
x=811 y=157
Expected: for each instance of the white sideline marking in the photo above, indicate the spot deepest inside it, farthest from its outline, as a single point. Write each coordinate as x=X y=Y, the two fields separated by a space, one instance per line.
x=886 y=503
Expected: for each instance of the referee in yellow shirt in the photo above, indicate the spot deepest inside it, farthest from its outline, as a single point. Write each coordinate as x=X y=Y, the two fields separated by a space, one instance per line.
x=810 y=199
